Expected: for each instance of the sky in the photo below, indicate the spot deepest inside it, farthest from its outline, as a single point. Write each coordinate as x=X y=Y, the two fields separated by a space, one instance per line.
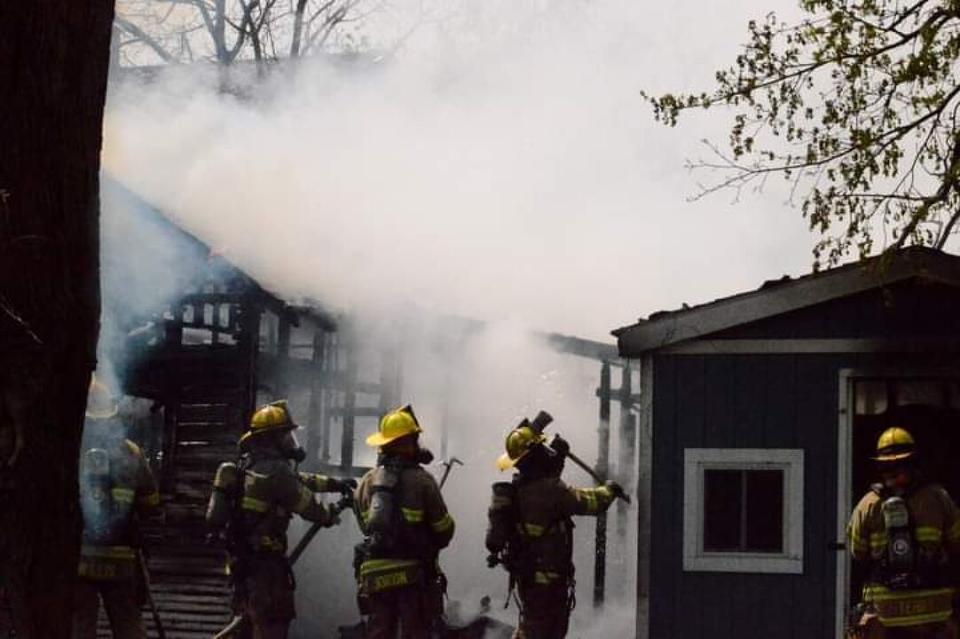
x=503 y=166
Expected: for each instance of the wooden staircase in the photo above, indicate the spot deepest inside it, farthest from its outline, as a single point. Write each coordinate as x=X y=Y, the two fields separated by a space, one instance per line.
x=207 y=391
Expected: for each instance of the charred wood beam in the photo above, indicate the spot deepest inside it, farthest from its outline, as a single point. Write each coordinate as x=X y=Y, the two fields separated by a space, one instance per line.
x=581 y=347
x=602 y=469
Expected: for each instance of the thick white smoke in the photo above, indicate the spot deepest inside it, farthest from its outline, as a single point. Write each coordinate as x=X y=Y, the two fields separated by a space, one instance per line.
x=500 y=166
x=504 y=166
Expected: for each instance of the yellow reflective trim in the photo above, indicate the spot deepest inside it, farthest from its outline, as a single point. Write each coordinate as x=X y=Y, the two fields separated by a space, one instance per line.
x=306 y=497
x=270 y=544
x=530 y=530
x=592 y=506
x=122 y=495
x=108 y=552
x=912 y=607
x=877 y=592
x=545 y=578
x=412 y=515
x=153 y=499
x=443 y=524
x=878 y=540
x=371 y=566
x=928 y=533
x=257 y=506
x=316 y=482
x=916 y=620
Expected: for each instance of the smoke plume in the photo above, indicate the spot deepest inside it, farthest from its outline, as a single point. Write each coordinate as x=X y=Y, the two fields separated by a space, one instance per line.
x=501 y=166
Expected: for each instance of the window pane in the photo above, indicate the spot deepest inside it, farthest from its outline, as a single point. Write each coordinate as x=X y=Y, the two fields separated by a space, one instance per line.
x=722 y=509
x=764 y=511
x=870 y=397
x=925 y=392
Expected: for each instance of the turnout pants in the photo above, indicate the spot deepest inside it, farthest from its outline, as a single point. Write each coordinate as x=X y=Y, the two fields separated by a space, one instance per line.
x=544 y=611
x=121 y=602
x=265 y=597
x=411 y=611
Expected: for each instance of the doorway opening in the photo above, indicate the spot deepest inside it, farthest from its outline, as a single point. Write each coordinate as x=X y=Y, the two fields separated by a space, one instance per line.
x=926 y=405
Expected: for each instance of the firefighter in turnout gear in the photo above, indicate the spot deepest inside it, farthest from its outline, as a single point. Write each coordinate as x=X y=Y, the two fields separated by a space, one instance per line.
x=251 y=506
x=405 y=525
x=116 y=490
x=907 y=532
x=530 y=528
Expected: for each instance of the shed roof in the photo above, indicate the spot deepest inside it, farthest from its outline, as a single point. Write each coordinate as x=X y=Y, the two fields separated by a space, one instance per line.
x=775 y=297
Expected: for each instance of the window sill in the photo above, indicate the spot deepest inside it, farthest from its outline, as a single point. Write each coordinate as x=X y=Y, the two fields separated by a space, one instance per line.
x=744 y=563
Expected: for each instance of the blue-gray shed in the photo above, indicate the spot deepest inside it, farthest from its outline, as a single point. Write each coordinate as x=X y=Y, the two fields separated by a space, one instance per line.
x=757 y=415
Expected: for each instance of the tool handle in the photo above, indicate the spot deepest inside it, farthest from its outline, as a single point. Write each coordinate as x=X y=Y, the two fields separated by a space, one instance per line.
x=620 y=494
x=304 y=542
x=151 y=603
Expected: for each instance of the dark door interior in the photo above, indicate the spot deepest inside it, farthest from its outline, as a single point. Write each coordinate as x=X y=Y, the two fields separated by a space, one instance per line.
x=930 y=409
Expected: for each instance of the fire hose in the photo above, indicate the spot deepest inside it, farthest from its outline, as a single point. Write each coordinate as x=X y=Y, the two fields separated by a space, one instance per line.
x=345 y=503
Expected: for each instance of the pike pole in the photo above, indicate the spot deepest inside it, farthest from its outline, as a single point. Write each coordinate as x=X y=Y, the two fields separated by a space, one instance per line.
x=593 y=474
x=145 y=575
x=448 y=466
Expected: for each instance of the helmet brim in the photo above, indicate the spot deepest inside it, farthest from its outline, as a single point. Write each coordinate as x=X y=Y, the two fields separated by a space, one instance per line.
x=103 y=414
x=281 y=428
x=378 y=440
x=504 y=462
x=891 y=457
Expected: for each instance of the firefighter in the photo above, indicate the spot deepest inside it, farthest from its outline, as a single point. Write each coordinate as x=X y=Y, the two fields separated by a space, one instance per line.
x=251 y=506
x=530 y=529
x=117 y=490
x=405 y=524
x=906 y=531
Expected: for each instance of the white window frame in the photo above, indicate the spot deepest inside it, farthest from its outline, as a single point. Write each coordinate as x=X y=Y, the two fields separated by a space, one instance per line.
x=698 y=460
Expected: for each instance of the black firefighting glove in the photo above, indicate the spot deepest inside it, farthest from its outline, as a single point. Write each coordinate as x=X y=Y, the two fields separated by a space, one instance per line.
x=344 y=503
x=616 y=489
x=560 y=446
x=424 y=456
x=343 y=485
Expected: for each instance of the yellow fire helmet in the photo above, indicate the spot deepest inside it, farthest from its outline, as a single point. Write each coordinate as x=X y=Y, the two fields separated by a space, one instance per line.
x=520 y=441
x=271 y=418
x=100 y=401
x=397 y=423
x=895 y=444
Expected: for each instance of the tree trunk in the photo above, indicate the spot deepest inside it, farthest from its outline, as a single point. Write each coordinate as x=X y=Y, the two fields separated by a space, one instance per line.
x=297 y=28
x=54 y=57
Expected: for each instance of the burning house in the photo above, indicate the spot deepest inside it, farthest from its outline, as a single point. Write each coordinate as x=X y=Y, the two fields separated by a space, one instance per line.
x=194 y=343
x=759 y=416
